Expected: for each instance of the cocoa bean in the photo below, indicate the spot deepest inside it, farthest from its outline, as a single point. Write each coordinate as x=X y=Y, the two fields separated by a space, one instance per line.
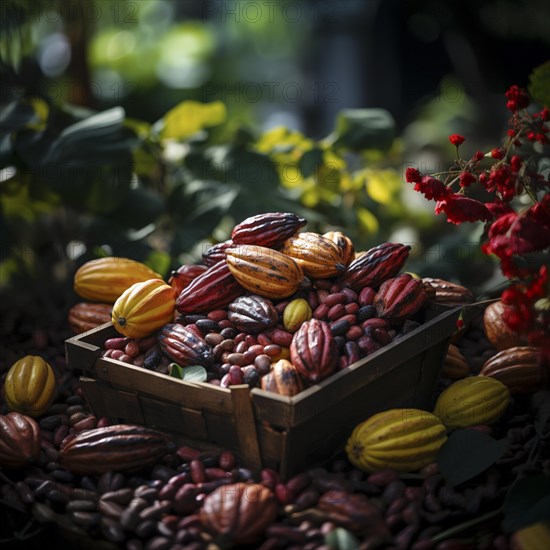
x=216 y=473
x=394 y=490
x=55 y=496
x=88 y=483
x=429 y=470
x=110 y=509
x=158 y=543
x=24 y=492
x=52 y=422
x=81 y=505
x=306 y=499
x=404 y=538
x=121 y=496
x=156 y=510
x=396 y=506
x=111 y=530
x=60 y=434
x=285 y=532
x=146 y=492
x=431 y=484
x=146 y=528
x=227 y=461
x=84 y=519
x=88 y=423
x=339 y=327
x=208 y=325
x=423 y=544
x=298 y=483
x=43 y=513
x=269 y=478
x=185 y=500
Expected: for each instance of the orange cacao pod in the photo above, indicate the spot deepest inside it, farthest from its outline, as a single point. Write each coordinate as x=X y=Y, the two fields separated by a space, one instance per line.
x=313 y=351
x=86 y=316
x=264 y=271
x=270 y=230
x=118 y=448
x=375 y=266
x=105 y=279
x=143 y=308
x=344 y=243
x=19 y=440
x=455 y=366
x=318 y=256
x=496 y=330
x=240 y=512
x=519 y=369
x=399 y=298
x=213 y=289
x=282 y=379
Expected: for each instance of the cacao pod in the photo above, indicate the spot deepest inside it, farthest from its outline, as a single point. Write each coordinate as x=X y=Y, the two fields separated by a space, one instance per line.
x=143 y=308
x=264 y=271
x=375 y=266
x=184 y=346
x=105 y=279
x=318 y=256
x=282 y=379
x=296 y=312
x=117 y=448
x=240 y=512
x=455 y=366
x=270 y=230
x=19 y=440
x=531 y=537
x=216 y=253
x=401 y=439
x=399 y=298
x=214 y=289
x=314 y=351
x=445 y=292
x=472 y=401
x=252 y=314
x=86 y=316
x=497 y=331
x=519 y=369
x=344 y=243
x=180 y=278
x=29 y=387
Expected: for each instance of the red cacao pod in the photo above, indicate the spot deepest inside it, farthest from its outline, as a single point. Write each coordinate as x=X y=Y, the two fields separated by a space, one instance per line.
x=216 y=253
x=270 y=230
x=314 y=351
x=19 y=440
x=184 y=346
x=399 y=298
x=252 y=314
x=239 y=512
x=213 y=289
x=180 y=278
x=518 y=368
x=119 y=448
x=445 y=292
x=375 y=266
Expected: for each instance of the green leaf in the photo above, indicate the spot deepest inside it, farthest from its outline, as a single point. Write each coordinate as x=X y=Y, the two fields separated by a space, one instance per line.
x=359 y=129
x=527 y=502
x=310 y=161
x=341 y=539
x=196 y=373
x=175 y=370
x=141 y=206
x=159 y=261
x=539 y=84
x=467 y=453
x=16 y=115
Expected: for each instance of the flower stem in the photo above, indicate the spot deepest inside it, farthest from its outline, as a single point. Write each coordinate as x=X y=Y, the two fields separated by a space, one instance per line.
x=466 y=525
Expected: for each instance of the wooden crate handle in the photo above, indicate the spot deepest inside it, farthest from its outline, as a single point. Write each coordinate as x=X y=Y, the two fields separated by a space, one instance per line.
x=245 y=423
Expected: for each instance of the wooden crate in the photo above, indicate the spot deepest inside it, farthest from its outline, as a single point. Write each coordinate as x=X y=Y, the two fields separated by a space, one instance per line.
x=264 y=429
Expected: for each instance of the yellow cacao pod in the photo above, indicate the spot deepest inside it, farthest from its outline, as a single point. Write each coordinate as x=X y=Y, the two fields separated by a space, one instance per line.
x=344 y=243
x=402 y=439
x=533 y=537
x=29 y=388
x=105 y=279
x=455 y=366
x=144 y=308
x=471 y=401
x=295 y=313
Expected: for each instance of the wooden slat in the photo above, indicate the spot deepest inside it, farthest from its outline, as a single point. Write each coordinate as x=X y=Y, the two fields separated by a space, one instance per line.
x=173 y=418
x=93 y=395
x=272 y=445
x=425 y=388
x=221 y=430
x=153 y=384
x=245 y=424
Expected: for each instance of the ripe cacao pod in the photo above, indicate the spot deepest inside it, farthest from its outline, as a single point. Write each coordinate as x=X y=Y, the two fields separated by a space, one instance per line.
x=270 y=230
x=402 y=439
x=472 y=401
x=240 y=512
x=105 y=279
x=519 y=369
x=180 y=278
x=314 y=351
x=497 y=331
x=296 y=312
x=445 y=292
x=19 y=440
x=117 y=448
x=214 y=289
x=282 y=379
x=216 y=253
x=184 y=346
x=30 y=386
x=252 y=314
x=344 y=243
x=375 y=266
x=531 y=537
x=318 y=256
x=143 y=308
x=264 y=271
x=86 y=316
x=399 y=298
x=455 y=366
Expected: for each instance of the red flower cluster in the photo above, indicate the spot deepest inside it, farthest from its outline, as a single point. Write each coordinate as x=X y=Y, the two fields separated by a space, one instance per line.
x=519 y=238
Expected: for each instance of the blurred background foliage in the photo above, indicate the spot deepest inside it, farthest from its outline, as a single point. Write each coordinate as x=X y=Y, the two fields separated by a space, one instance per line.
x=149 y=128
